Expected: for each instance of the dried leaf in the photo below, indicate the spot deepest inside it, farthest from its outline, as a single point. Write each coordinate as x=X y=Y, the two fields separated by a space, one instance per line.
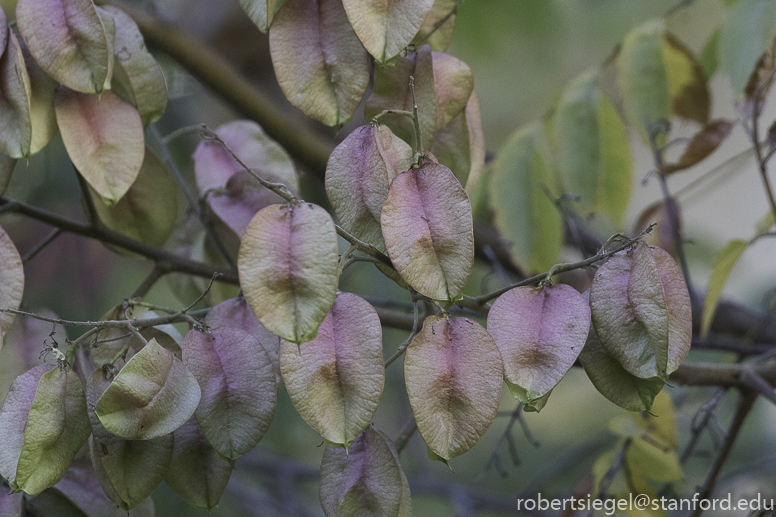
x=239 y=390
x=103 y=136
x=235 y=312
x=539 y=331
x=367 y=479
x=137 y=77
x=288 y=268
x=15 y=98
x=335 y=380
x=524 y=213
x=686 y=81
x=385 y=28
x=453 y=371
x=641 y=311
x=427 y=226
x=127 y=470
x=82 y=488
x=11 y=281
x=68 y=41
x=358 y=176
x=319 y=62
x=613 y=381
x=151 y=396
x=702 y=144
x=197 y=473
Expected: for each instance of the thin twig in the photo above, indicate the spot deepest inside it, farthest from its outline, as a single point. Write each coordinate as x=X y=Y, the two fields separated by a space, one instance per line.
x=745 y=403
x=478 y=301
x=56 y=232
x=405 y=434
x=175 y=172
x=403 y=347
x=168 y=261
x=148 y=282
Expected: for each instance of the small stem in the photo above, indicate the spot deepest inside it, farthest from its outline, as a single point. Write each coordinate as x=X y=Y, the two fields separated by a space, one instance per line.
x=477 y=302
x=403 y=347
x=415 y=119
x=182 y=131
x=172 y=167
x=761 y=161
x=278 y=188
x=202 y=295
x=149 y=281
x=390 y=112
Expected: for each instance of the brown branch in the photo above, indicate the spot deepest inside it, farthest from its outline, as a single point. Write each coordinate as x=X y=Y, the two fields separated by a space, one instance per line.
x=166 y=261
x=742 y=411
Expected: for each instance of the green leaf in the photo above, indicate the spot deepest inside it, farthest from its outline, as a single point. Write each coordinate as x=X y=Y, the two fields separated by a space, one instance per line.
x=365 y=480
x=454 y=373
x=654 y=460
x=709 y=57
x=262 y=12
x=137 y=77
x=658 y=76
x=743 y=38
x=613 y=381
x=151 y=396
x=590 y=144
x=127 y=470
x=427 y=226
x=68 y=41
x=103 y=136
x=385 y=28
x=15 y=98
x=325 y=73
x=148 y=210
x=723 y=264
x=641 y=311
x=57 y=427
x=197 y=473
x=335 y=380
x=11 y=281
x=239 y=390
x=539 y=331
x=358 y=176
x=524 y=213
x=288 y=268
x=438 y=27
